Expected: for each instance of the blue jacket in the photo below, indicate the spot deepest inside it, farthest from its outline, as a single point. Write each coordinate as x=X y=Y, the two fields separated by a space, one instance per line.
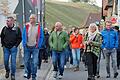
x=39 y=39
x=110 y=39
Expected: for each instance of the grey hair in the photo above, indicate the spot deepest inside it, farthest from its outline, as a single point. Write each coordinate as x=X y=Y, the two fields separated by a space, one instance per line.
x=93 y=25
x=33 y=15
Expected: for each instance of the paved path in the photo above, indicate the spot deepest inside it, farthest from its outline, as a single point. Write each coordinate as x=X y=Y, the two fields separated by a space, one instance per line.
x=41 y=74
x=82 y=74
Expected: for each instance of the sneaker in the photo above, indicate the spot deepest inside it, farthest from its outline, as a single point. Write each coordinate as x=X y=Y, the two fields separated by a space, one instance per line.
x=55 y=74
x=115 y=75
x=71 y=66
x=60 y=76
x=33 y=78
x=76 y=69
x=98 y=76
x=12 y=77
x=28 y=76
x=86 y=69
x=7 y=75
x=65 y=66
x=25 y=75
x=108 y=76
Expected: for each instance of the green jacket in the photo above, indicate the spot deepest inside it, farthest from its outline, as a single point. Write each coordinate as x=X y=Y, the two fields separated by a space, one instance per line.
x=95 y=46
x=58 y=42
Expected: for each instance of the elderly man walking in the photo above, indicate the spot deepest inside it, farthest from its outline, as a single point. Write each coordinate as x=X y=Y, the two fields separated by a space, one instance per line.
x=32 y=41
x=58 y=42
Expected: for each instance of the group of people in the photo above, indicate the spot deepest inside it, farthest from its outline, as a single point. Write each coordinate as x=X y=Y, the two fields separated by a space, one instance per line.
x=97 y=40
x=62 y=45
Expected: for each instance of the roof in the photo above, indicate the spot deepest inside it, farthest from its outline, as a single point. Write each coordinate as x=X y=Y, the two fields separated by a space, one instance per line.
x=92 y=18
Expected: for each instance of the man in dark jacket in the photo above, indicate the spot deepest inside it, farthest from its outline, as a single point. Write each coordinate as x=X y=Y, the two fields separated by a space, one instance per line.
x=109 y=45
x=10 y=39
x=118 y=49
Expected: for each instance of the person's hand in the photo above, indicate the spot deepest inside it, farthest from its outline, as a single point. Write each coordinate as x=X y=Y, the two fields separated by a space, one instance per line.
x=73 y=33
x=104 y=49
x=89 y=42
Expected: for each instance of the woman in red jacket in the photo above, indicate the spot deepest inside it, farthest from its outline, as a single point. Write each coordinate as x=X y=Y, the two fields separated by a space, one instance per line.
x=76 y=41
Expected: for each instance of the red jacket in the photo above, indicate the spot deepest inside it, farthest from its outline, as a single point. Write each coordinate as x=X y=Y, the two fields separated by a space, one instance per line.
x=76 y=41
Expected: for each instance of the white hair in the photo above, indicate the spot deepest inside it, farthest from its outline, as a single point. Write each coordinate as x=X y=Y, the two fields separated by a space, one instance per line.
x=93 y=25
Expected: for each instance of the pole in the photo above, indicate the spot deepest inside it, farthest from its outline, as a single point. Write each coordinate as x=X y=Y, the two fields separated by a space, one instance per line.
x=23 y=5
x=119 y=12
x=41 y=12
x=114 y=6
x=44 y=22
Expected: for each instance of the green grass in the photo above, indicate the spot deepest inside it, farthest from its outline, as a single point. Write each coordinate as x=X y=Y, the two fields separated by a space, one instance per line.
x=68 y=13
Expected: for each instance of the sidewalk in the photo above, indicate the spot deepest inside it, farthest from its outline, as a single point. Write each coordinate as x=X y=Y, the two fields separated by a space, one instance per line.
x=69 y=74
x=41 y=74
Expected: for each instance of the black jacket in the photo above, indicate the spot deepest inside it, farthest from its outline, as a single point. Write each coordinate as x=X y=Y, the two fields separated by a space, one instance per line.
x=10 y=36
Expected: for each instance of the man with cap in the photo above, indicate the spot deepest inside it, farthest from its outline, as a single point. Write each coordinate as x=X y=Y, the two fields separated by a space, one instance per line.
x=109 y=45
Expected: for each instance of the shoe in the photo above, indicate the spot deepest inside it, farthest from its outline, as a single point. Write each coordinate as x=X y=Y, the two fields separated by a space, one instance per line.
x=71 y=66
x=7 y=75
x=65 y=66
x=108 y=76
x=25 y=75
x=12 y=77
x=115 y=75
x=55 y=74
x=28 y=76
x=60 y=76
x=86 y=69
x=93 y=78
x=46 y=61
x=98 y=76
x=22 y=65
x=33 y=78
x=76 y=69
x=89 y=79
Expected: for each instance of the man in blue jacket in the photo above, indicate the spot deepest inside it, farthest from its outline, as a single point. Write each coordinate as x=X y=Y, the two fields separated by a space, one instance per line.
x=32 y=38
x=109 y=45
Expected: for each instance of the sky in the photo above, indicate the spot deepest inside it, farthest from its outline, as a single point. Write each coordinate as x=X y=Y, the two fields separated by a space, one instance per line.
x=99 y=3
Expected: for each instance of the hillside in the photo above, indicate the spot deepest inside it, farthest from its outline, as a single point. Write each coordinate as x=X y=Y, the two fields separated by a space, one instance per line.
x=68 y=13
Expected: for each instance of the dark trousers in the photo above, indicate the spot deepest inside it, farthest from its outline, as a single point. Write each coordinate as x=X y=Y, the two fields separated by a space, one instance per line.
x=92 y=64
x=118 y=59
x=40 y=57
x=45 y=54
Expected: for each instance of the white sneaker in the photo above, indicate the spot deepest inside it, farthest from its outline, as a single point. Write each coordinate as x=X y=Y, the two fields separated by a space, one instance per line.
x=65 y=66
x=71 y=66
x=25 y=75
x=60 y=77
x=55 y=74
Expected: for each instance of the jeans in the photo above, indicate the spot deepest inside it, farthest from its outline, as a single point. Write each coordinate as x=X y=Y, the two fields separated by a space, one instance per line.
x=58 y=59
x=31 y=60
x=7 y=53
x=68 y=54
x=112 y=53
x=76 y=57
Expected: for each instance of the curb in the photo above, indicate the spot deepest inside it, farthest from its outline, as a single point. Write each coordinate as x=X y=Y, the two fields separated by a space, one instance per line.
x=49 y=69
x=49 y=74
